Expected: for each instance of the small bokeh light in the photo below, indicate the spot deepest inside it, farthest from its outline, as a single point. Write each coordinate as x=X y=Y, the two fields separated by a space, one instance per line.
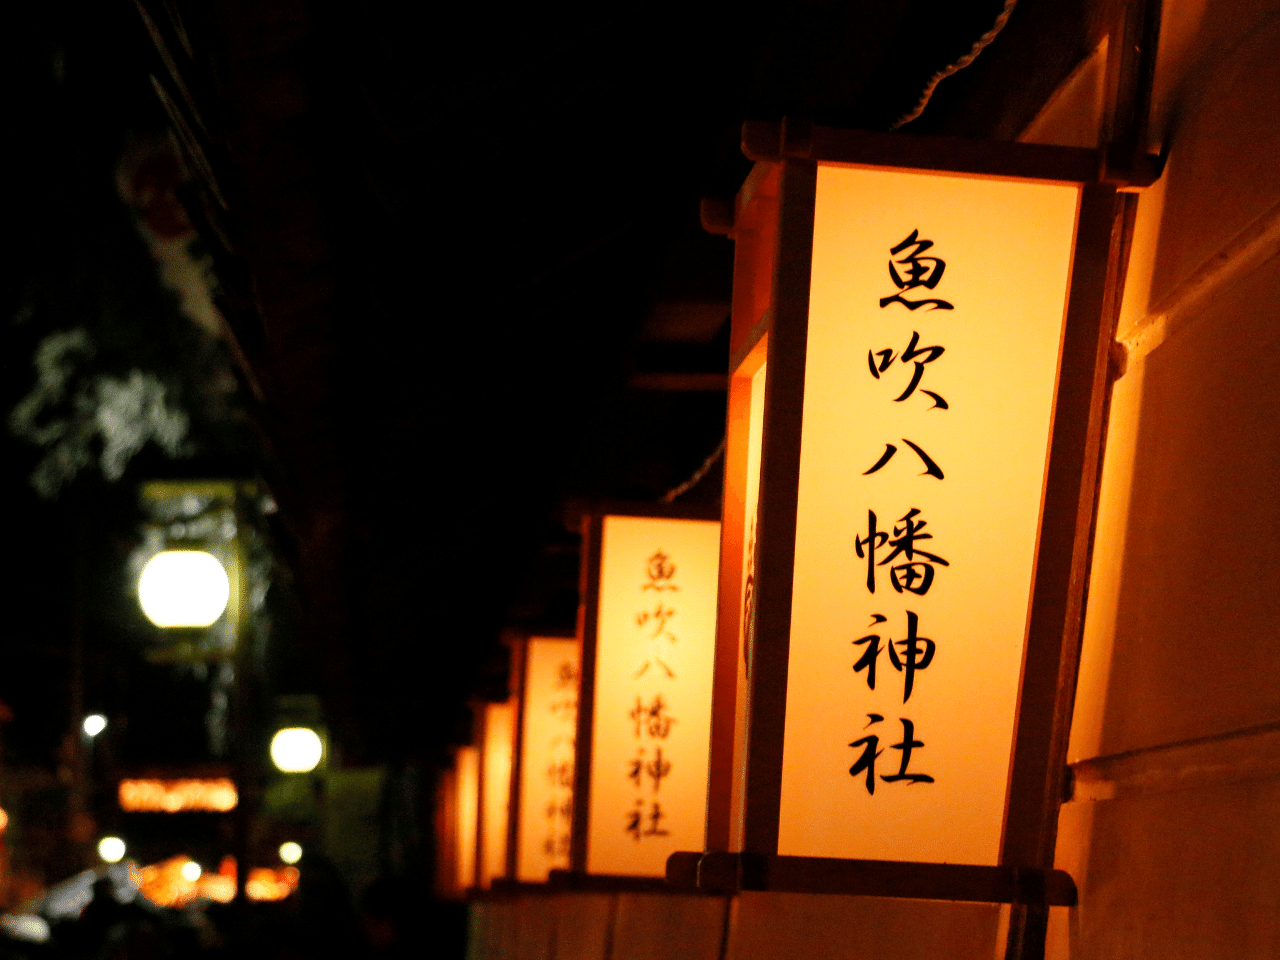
x=290 y=852
x=191 y=871
x=94 y=724
x=296 y=750
x=111 y=849
x=183 y=588
x=4 y=820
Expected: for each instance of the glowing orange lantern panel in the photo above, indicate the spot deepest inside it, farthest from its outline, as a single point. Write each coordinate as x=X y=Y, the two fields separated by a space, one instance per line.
x=654 y=651
x=498 y=746
x=548 y=720
x=935 y=319
x=467 y=786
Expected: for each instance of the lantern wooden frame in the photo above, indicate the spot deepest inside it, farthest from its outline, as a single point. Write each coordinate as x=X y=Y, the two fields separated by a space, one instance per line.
x=772 y=223
x=592 y=526
x=519 y=647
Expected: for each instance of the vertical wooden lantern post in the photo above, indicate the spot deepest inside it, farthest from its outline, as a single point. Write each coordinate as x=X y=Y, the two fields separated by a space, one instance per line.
x=647 y=622
x=918 y=377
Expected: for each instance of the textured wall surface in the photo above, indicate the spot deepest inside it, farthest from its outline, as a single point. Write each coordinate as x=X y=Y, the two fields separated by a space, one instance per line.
x=1174 y=832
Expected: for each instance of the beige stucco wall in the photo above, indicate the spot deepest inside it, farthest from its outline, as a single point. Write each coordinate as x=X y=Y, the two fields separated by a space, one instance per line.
x=1174 y=835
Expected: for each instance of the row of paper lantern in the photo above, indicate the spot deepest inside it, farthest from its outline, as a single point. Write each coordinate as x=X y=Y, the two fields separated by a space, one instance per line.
x=841 y=662
x=508 y=803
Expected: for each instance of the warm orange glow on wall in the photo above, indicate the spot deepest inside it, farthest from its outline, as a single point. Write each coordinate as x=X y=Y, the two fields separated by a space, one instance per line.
x=177 y=796
x=495 y=788
x=655 y=638
x=935 y=320
x=550 y=712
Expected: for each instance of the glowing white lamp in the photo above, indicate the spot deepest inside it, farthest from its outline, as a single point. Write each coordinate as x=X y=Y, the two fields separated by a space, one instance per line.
x=290 y=852
x=111 y=849
x=296 y=750
x=191 y=871
x=183 y=588
x=94 y=724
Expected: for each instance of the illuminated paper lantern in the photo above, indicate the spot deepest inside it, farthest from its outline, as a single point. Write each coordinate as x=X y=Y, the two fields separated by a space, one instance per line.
x=183 y=588
x=466 y=782
x=189 y=571
x=548 y=723
x=497 y=745
x=649 y=605
x=918 y=376
x=296 y=750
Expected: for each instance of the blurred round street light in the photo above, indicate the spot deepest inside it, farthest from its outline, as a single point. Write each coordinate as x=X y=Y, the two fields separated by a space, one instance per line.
x=191 y=871
x=290 y=852
x=183 y=588
x=111 y=849
x=296 y=750
x=94 y=724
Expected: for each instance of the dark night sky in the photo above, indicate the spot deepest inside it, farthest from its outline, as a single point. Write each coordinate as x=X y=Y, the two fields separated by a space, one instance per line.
x=502 y=196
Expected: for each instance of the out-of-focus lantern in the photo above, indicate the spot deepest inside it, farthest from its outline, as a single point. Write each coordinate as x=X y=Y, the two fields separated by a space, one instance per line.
x=543 y=800
x=466 y=784
x=296 y=750
x=290 y=852
x=449 y=883
x=648 y=636
x=918 y=377
x=497 y=747
x=190 y=566
x=183 y=795
x=183 y=588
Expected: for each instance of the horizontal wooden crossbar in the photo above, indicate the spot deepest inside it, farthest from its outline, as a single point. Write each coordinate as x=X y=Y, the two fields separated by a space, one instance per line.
x=798 y=140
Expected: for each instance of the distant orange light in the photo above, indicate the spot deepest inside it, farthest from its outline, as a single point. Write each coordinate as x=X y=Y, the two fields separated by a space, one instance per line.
x=177 y=796
x=164 y=883
x=271 y=883
x=214 y=886
x=4 y=820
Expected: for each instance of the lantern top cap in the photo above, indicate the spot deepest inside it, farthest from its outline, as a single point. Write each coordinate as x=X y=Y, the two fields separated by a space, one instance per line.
x=792 y=139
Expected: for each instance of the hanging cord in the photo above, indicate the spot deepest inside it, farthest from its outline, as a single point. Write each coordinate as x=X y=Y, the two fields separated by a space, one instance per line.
x=702 y=471
x=979 y=45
